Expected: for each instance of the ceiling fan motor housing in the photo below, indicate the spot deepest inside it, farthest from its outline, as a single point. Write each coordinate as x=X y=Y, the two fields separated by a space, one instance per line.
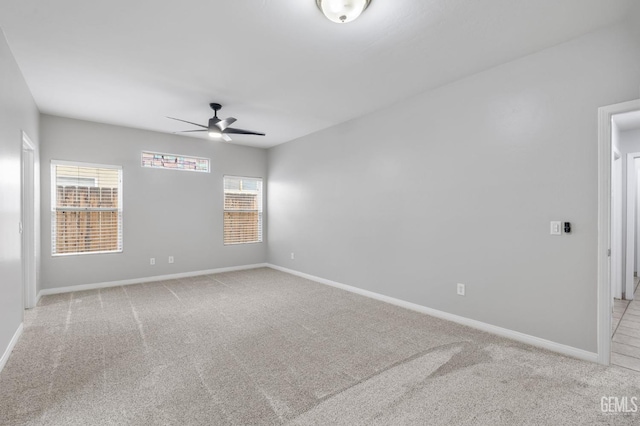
x=212 y=123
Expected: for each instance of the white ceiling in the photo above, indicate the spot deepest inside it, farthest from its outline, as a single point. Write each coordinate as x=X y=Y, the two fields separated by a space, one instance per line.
x=627 y=121
x=278 y=66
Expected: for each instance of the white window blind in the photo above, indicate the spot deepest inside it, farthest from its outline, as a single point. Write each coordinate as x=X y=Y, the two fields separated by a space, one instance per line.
x=242 y=210
x=86 y=208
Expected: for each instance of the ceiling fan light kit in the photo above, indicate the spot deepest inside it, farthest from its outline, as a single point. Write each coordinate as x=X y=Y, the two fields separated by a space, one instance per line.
x=342 y=11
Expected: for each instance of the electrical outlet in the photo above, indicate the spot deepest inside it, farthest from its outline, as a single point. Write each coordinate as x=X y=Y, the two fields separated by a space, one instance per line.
x=152 y=261
x=293 y=256
x=460 y=289
x=170 y=259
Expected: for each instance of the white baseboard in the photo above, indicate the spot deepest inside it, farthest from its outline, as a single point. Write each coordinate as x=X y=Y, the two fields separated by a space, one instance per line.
x=83 y=287
x=12 y=343
x=503 y=332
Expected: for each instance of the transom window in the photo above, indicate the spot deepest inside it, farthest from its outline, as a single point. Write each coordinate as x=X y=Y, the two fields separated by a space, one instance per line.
x=242 y=210
x=158 y=160
x=86 y=208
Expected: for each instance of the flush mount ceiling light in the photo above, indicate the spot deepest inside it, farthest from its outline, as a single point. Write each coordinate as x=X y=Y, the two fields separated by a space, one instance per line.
x=342 y=11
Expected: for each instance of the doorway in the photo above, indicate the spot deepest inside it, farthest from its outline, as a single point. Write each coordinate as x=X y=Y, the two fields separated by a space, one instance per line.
x=631 y=229
x=27 y=224
x=608 y=241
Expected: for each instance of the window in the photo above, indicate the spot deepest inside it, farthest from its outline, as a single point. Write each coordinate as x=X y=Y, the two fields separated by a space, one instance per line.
x=242 y=210
x=159 y=160
x=86 y=208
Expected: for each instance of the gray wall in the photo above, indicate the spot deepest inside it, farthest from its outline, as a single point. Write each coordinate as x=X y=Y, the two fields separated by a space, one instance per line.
x=634 y=18
x=458 y=185
x=166 y=212
x=18 y=113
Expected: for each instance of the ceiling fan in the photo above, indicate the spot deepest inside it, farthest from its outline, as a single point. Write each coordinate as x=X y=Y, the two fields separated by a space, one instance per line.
x=218 y=128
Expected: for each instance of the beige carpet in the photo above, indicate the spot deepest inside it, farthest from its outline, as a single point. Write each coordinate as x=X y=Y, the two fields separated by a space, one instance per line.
x=264 y=347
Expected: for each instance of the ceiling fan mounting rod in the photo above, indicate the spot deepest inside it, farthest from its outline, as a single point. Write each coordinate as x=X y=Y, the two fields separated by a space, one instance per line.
x=215 y=107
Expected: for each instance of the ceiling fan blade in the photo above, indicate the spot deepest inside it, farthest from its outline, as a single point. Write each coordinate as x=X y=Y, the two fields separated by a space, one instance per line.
x=189 y=131
x=242 y=132
x=223 y=124
x=213 y=122
x=226 y=138
x=185 y=121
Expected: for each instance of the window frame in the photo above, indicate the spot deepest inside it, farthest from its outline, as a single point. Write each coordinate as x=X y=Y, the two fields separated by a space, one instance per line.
x=174 y=155
x=260 y=210
x=119 y=209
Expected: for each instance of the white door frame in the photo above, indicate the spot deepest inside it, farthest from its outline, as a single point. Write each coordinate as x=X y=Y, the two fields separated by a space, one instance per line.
x=28 y=222
x=632 y=191
x=604 y=224
x=637 y=235
x=616 y=226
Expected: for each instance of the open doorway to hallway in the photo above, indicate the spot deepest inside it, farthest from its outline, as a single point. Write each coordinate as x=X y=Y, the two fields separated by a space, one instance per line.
x=625 y=235
x=625 y=172
x=605 y=299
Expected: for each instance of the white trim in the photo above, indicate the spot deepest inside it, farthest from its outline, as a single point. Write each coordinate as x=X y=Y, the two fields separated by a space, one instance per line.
x=28 y=221
x=604 y=225
x=27 y=141
x=87 y=253
x=242 y=177
x=83 y=287
x=85 y=164
x=637 y=218
x=504 y=332
x=617 y=251
x=12 y=343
